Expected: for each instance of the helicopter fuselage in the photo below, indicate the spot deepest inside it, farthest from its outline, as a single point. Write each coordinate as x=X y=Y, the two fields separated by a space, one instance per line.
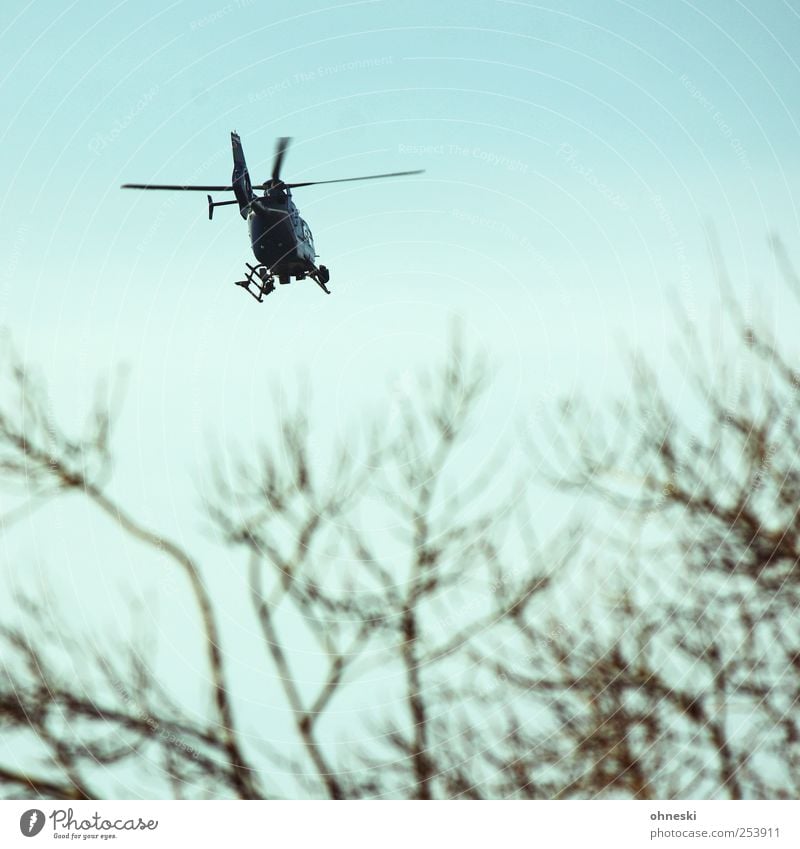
x=281 y=240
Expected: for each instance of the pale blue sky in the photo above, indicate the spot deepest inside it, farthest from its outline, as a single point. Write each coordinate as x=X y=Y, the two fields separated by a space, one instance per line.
x=547 y=132
x=574 y=153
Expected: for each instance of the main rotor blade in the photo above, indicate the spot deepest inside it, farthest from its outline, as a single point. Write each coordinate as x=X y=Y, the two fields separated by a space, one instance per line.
x=177 y=188
x=349 y=179
x=280 y=151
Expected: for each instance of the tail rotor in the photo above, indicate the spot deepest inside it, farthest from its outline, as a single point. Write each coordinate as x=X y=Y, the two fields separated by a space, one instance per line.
x=240 y=179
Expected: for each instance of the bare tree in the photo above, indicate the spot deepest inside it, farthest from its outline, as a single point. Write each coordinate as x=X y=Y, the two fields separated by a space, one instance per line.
x=293 y=523
x=36 y=455
x=679 y=679
x=683 y=682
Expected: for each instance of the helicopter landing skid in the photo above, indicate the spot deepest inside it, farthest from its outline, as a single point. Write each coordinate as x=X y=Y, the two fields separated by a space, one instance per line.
x=258 y=282
x=321 y=276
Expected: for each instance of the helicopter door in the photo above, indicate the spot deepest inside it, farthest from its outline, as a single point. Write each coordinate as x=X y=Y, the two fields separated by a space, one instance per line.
x=306 y=242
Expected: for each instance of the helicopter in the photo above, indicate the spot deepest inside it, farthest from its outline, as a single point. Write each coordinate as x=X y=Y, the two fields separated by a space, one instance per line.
x=281 y=240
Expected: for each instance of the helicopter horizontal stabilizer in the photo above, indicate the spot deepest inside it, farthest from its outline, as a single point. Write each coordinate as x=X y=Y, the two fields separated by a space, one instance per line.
x=211 y=205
